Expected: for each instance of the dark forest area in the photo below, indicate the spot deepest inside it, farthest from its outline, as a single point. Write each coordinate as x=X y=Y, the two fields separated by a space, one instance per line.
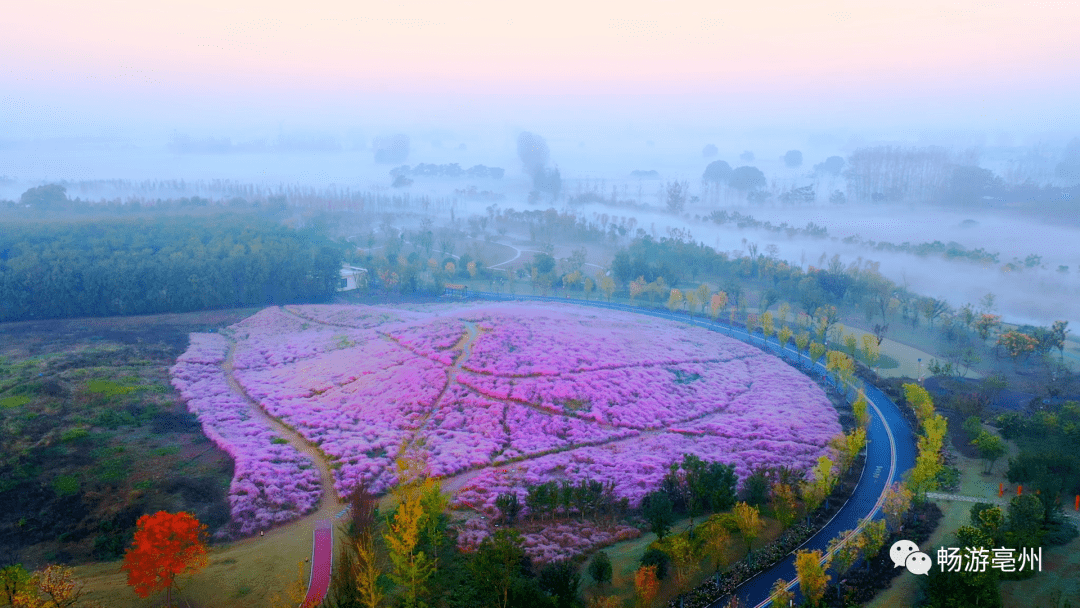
x=129 y=266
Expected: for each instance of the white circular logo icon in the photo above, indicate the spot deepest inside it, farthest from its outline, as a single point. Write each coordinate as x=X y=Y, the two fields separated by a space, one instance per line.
x=906 y=553
x=900 y=551
x=918 y=563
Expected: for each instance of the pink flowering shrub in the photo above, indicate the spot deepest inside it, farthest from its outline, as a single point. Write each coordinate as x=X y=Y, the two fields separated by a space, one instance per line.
x=553 y=542
x=520 y=395
x=271 y=483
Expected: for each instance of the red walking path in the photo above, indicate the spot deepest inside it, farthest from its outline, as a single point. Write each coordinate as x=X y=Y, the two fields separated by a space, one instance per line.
x=322 y=562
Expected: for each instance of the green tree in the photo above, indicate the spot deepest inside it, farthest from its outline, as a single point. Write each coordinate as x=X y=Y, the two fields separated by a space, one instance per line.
x=496 y=566
x=508 y=505
x=1024 y=521
x=600 y=568
x=874 y=534
x=990 y=447
x=965 y=588
x=13 y=580
x=659 y=513
x=561 y=580
x=845 y=548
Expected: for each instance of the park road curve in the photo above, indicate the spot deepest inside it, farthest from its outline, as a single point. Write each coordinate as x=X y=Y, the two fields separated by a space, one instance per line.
x=890 y=451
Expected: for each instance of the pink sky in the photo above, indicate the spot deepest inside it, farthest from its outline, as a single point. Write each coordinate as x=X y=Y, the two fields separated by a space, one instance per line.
x=958 y=57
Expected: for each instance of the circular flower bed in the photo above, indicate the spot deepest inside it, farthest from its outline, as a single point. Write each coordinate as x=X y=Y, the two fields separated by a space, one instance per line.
x=516 y=394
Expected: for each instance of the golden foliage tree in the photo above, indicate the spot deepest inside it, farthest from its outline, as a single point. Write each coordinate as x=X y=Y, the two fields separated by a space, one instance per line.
x=418 y=496
x=53 y=587
x=767 y=327
x=717 y=538
x=684 y=557
x=607 y=285
x=812 y=577
x=784 y=503
x=896 y=504
x=703 y=292
x=637 y=287
x=845 y=550
x=780 y=595
x=860 y=408
x=802 y=342
x=920 y=401
x=291 y=594
x=367 y=572
x=675 y=300
x=871 y=350
x=784 y=335
x=691 y=301
x=748 y=519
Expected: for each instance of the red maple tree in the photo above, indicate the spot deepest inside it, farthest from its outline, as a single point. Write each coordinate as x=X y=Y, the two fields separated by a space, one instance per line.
x=166 y=545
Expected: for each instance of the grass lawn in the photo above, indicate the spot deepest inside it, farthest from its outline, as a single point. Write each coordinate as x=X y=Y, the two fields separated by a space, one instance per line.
x=239 y=575
x=1061 y=564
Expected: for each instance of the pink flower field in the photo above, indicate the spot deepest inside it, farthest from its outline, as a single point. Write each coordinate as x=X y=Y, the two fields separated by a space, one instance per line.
x=514 y=394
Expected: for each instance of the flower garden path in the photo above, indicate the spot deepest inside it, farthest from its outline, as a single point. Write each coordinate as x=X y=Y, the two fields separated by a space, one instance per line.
x=330 y=505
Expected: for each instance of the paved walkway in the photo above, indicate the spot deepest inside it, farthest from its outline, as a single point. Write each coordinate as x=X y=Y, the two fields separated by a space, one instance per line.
x=322 y=563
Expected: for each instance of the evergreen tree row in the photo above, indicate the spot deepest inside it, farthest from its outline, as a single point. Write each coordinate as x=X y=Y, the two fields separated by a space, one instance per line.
x=157 y=265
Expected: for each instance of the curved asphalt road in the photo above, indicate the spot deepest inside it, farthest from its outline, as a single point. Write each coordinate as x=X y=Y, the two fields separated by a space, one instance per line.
x=890 y=451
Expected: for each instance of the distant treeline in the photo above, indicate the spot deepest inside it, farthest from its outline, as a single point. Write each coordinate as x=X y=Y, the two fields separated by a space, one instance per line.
x=450 y=170
x=156 y=265
x=951 y=250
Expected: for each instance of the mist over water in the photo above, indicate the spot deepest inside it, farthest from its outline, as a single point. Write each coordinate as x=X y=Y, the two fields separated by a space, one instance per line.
x=188 y=100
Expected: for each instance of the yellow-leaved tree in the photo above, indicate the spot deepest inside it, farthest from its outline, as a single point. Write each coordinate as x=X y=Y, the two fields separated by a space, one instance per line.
x=748 y=519
x=812 y=577
x=780 y=595
x=420 y=501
